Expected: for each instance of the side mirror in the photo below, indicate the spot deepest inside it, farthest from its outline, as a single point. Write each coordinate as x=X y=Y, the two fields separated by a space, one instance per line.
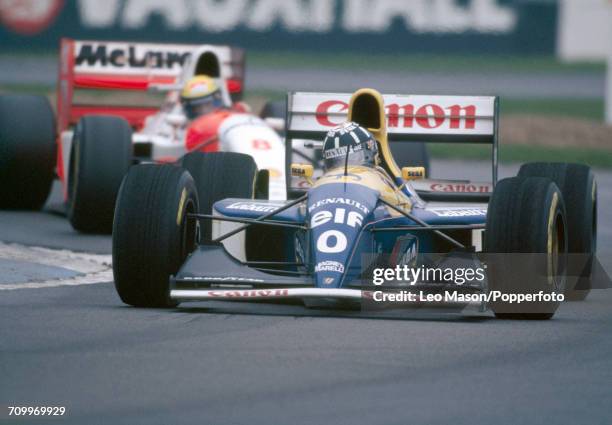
x=176 y=120
x=305 y=171
x=413 y=173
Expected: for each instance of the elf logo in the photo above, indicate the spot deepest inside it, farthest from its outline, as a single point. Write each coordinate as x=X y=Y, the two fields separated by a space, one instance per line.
x=334 y=241
x=340 y=216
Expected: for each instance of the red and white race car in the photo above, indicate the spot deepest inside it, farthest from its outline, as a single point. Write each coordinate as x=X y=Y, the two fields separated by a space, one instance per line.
x=109 y=117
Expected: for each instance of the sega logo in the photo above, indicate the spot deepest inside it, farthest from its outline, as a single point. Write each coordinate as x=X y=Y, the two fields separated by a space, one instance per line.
x=429 y=116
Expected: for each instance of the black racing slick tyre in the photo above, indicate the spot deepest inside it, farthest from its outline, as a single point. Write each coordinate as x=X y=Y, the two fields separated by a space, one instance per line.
x=526 y=245
x=101 y=156
x=411 y=154
x=220 y=175
x=152 y=234
x=27 y=151
x=579 y=189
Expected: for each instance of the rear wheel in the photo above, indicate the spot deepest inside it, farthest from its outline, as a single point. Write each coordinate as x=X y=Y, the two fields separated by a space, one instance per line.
x=101 y=156
x=27 y=151
x=152 y=235
x=220 y=175
x=579 y=189
x=526 y=242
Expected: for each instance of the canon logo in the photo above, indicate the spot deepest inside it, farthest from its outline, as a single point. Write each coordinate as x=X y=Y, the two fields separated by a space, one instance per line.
x=460 y=187
x=429 y=116
x=254 y=293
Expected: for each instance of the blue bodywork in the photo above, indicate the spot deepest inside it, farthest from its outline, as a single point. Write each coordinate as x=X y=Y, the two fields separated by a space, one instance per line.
x=343 y=226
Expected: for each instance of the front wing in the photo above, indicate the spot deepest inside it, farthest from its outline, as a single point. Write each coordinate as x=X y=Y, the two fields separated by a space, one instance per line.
x=210 y=273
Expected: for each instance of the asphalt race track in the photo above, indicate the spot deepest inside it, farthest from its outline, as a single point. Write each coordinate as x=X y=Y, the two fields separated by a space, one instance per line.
x=77 y=345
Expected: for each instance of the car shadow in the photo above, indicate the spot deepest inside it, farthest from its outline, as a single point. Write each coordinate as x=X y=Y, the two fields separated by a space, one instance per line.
x=298 y=311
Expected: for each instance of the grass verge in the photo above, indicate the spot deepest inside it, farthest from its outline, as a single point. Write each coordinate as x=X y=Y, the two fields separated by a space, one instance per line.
x=418 y=62
x=592 y=109
x=38 y=89
x=384 y=61
x=524 y=153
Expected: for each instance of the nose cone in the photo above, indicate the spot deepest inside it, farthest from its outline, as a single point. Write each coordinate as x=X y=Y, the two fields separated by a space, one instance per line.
x=337 y=214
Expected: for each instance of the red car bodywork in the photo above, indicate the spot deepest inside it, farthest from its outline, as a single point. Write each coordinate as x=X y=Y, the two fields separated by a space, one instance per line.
x=69 y=112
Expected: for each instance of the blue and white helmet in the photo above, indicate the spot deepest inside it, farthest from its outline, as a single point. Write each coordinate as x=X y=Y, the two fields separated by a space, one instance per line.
x=349 y=136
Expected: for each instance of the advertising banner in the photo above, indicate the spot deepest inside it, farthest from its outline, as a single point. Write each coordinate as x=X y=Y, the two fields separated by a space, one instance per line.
x=389 y=26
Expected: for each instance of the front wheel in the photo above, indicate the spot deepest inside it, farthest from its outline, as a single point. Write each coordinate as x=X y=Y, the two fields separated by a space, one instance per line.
x=579 y=189
x=526 y=245
x=152 y=234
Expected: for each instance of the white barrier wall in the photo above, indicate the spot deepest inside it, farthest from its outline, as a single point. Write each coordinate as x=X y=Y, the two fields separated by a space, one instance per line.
x=585 y=34
x=609 y=89
x=584 y=30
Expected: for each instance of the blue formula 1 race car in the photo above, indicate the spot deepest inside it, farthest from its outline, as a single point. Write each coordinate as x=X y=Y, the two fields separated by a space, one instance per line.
x=326 y=244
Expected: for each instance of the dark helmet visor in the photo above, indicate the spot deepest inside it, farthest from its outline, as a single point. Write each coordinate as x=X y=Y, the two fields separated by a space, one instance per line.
x=203 y=105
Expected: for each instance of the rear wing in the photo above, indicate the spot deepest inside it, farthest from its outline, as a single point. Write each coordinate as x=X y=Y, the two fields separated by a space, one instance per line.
x=442 y=119
x=127 y=66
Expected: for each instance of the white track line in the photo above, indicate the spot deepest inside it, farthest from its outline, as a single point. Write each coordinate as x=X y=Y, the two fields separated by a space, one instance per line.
x=92 y=268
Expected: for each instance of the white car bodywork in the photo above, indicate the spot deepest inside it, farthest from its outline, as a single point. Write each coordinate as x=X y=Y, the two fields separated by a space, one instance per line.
x=163 y=134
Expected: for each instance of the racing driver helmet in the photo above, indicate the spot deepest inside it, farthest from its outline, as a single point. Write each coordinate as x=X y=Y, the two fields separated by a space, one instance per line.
x=200 y=96
x=349 y=136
